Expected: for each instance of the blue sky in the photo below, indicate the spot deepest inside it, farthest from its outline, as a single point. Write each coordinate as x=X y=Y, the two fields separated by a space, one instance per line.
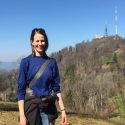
x=67 y=22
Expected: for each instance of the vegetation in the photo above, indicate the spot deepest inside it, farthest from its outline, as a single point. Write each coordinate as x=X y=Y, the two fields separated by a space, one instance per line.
x=11 y=118
x=8 y=106
x=109 y=58
x=92 y=78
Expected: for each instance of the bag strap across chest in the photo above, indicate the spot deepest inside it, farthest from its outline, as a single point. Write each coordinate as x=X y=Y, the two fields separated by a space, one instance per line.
x=39 y=73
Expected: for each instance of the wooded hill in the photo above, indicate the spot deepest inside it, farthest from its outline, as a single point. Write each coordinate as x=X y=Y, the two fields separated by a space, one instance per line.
x=92 y=77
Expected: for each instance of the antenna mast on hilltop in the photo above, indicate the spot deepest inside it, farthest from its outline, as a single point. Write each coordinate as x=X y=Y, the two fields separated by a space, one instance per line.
x=116 y=21
x=106 y=30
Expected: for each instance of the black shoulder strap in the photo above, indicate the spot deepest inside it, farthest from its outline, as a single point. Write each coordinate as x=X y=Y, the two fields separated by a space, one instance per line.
x=39 y=73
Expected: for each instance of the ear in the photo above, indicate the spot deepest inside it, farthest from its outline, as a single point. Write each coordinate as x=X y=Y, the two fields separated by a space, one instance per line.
x=32 y=43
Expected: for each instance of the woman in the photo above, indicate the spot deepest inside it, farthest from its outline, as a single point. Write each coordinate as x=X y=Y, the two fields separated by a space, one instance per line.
x=48 y=82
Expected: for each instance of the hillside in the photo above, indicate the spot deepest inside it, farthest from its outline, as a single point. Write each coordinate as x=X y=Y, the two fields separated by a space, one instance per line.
x=93 y=76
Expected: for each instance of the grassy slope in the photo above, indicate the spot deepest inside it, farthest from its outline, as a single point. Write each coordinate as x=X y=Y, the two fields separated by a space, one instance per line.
x=11 y=118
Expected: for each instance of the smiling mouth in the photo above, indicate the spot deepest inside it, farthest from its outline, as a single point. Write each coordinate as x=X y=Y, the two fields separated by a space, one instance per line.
x=41 y=47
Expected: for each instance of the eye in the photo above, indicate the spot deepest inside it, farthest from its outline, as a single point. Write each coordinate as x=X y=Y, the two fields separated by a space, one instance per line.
x=37 y=41
x=42 y=40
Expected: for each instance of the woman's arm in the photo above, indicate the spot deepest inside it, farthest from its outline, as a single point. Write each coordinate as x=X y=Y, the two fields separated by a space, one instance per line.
x=62 y=108
x=21 y=112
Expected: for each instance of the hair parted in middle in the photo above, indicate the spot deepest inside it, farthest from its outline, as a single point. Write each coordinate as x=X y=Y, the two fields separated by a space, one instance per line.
x=42 y=32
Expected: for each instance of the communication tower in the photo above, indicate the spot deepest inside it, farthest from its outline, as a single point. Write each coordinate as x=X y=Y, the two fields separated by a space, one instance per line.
x=116 y=21
x=106 y=30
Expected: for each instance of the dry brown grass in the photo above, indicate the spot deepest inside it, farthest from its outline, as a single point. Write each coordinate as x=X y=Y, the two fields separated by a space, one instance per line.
x=11 y=118
x=8 y=118
x=76 y=120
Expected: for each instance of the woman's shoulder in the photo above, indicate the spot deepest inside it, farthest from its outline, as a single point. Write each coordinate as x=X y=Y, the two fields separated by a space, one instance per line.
x=26 y=59
x=52 y=59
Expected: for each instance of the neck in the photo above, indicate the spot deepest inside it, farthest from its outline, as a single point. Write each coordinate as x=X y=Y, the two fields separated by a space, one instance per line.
x=39 y=54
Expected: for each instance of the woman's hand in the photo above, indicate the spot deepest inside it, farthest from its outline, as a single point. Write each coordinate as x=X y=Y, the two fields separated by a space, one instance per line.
x=62 y=108
x=23 y=120
x=64 y=118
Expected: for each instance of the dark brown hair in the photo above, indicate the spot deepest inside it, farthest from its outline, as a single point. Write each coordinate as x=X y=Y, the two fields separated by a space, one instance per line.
x=40 y=31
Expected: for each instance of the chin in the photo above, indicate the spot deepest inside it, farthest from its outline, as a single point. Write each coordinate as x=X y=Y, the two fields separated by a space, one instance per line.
x=41 y=52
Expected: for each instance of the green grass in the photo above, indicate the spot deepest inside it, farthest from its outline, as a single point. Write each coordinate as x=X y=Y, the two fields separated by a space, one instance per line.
x=8 y=106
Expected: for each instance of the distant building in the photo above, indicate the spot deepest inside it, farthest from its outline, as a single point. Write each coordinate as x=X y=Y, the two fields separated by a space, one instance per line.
x=98 y=36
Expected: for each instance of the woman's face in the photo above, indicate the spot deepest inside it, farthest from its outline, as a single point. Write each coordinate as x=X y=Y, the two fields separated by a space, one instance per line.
x=38 y=44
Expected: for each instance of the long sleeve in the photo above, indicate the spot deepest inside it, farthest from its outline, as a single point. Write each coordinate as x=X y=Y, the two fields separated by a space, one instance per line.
x=56 y=77
x=22 y=78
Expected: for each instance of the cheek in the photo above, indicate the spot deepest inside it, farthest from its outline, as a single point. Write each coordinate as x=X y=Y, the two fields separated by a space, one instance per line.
x=33 y=44
x=44 y=44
